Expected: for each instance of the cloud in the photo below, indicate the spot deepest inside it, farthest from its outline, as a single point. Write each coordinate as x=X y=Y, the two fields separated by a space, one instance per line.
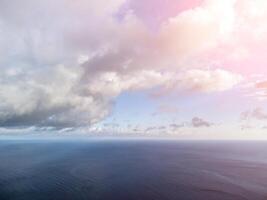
x=175 y=126
x=156 y=129
x=253 y=119
x=199 y=81
x=64 y=63
x=257 y=113
x=199 y=122
x=212 y=21
x=209 y=80
x=260 y=90
x=48 y=98
x=261 y=85
x=255 y=87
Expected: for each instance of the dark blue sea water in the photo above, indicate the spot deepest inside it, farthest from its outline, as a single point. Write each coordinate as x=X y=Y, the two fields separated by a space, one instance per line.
x=132 y=170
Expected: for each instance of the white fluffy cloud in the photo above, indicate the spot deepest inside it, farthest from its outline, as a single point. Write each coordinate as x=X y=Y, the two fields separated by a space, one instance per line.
x=64 y=62
x=199 y=29
x=209 y=81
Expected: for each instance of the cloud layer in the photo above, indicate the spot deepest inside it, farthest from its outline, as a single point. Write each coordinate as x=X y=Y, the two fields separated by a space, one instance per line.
x=64 y=63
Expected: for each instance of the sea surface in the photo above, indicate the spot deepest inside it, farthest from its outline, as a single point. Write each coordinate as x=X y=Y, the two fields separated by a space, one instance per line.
x=132 y=170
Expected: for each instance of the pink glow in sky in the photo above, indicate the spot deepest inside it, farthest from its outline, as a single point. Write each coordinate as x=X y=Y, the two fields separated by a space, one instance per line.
x=65 y=64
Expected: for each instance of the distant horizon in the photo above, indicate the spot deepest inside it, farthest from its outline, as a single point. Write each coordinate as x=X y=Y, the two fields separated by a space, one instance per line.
x=50 y=137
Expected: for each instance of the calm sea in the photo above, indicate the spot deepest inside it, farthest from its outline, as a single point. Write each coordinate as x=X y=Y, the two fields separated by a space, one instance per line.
x=132 y=170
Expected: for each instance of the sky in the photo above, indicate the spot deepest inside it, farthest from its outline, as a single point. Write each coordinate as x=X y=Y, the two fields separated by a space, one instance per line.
x=191 y=69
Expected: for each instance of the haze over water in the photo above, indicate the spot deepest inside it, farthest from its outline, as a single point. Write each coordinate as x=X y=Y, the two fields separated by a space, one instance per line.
x=132 y=169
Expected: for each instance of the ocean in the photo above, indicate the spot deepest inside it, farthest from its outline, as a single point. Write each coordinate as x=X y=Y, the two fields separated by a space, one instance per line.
x=110 y=169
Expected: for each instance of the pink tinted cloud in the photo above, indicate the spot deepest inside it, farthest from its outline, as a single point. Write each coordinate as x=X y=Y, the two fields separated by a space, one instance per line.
x=119 y=55
x=155 y=12
x=244 y=49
